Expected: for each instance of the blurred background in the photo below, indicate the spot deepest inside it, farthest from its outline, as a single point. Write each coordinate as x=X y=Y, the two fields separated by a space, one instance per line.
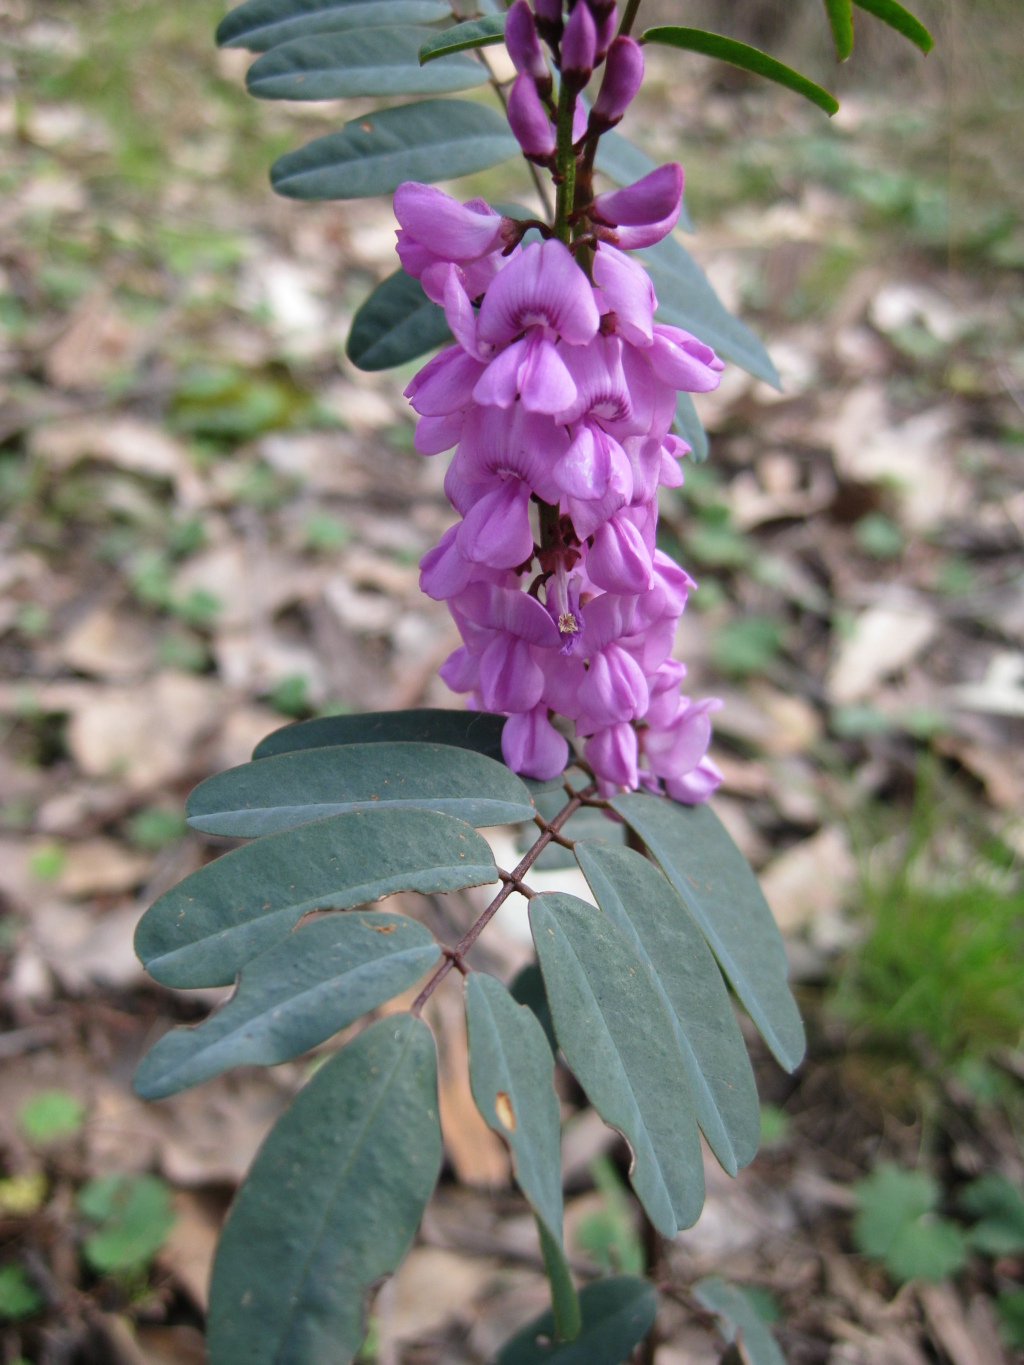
x=211 y=524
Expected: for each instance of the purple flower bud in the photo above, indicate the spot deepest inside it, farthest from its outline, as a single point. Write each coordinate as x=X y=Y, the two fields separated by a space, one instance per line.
x=579 y=46
x=645 y=211
x=529 y=119
x=623 y=73
x=549 y=19
x=606 y=26
x=524 y=47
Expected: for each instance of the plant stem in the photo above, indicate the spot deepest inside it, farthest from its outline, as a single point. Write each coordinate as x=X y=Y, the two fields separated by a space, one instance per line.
x=565 y=162
x=509 y=884
x=629 y=17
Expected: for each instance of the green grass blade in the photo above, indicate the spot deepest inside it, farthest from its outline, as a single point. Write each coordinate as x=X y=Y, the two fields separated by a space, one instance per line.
x=840 y=19
x=901 y=20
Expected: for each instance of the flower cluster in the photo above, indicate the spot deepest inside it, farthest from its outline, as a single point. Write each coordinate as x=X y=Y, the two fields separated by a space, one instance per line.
x=558 y=395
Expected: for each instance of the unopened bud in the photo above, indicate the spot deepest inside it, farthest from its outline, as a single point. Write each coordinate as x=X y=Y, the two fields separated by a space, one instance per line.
x=549 y=20
x=529 y=119
x=579 y=46
x=524 y=46
x=623 y=73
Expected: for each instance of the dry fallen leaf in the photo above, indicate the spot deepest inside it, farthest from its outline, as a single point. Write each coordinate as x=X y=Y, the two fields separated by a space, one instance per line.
x=883 y=641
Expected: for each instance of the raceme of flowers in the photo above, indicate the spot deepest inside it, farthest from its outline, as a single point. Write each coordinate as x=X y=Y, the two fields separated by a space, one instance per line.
x=558 y=395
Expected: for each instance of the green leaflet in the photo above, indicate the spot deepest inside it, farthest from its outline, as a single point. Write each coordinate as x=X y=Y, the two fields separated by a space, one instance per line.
x=840 y=18
x=686 y=299
x=511 y=1072
x=314 y=983
x=691 y=429
x=396 y=324
x=479 y=730
x=370 y=61
x=205 y=929
x=739 y=1315
x=900 y=19
x=527 y=988
x=428 y=141
x=295 y=788
x=262 y=24
x=617 y=1312
x=742 y=55
x=652 y=917
x=475 y=33
x=331 y=1204
x=721 y=892
x=618 y=1040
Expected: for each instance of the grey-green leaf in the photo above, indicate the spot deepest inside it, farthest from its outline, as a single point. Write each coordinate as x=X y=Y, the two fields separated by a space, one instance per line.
x=368 y=61
x=260 y=25
x=620 y=160
x=204 y=930
x=617 y=1312
x=742 y=55
x=292 y=789
x=527 y=988
x=721 y=892
x=739 y=1315
x=686 y=299
x=893 y=14
x=651 y=916
x=396 y=324
x=617 y=1037
x=428 y=141
x=331 y=1204
x=316 y=982
x=479 y=730
x=475 y=33
x=691 y=428
x=511 y=1072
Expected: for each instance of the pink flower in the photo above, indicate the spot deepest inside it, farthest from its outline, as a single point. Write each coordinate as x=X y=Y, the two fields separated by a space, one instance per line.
x=644 y=212
x=530 y=744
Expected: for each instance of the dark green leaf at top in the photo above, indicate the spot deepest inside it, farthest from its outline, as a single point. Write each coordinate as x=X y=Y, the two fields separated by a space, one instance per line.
x=721 y=892
x=840 y=18
x=370 y=61
x=739 y=1317
x=742 y=55
x=479 y=730
x=396 y=324
x=260 y=25
x=314 y=983
x=511 y=1072
x=613 y=1027
x=651 y=915
x=428 y=141
x=483 y=32
x=331 y=1204
x=295 y=788
x=617 y=1313
x=205 y=929
x=686 y=299
x=893 y=14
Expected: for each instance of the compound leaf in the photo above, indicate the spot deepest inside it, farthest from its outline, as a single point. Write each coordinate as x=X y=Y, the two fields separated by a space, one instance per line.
x=739 y=1315
x=900 y=19
x=511 y=1072
x=840 y=18
x=618 y=1039
x=205 y=929
x=686 y=299
x=617 y=1312
x=483 y=32
x=652 y=917
x=428 y=141
x=295 y=788
x=331 y=1204
x=316 y=982
x=370 y=61
x=260 y=25
x=721 y=892
x=479 y=730
x=743 y=55
x=395 y=324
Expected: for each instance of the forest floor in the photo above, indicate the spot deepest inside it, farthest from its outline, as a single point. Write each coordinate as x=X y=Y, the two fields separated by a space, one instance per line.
x=211 y=524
